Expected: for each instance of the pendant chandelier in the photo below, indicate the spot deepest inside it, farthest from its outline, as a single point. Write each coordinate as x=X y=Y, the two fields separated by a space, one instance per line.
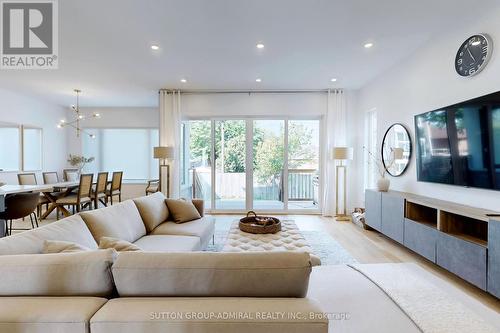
x=78 y=117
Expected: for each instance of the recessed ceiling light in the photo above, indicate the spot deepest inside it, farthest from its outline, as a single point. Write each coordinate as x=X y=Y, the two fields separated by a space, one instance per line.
x=258 y=80
x=260 y=45
x=333 y=80
x=184 y=80
x=155 y=47
x=368 y=45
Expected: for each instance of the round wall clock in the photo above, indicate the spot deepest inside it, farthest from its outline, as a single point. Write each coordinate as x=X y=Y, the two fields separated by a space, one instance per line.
x=473 y=55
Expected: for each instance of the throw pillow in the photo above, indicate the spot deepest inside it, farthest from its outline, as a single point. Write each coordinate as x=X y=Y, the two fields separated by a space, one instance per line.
x=117 y=244
x=182 y=210
x=53 y=246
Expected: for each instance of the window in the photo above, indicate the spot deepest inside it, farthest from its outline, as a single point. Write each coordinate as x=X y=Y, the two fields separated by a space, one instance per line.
x=370 y=166
x=9 y=148
x=264 y=164
x=32 y=149
x=128 y=150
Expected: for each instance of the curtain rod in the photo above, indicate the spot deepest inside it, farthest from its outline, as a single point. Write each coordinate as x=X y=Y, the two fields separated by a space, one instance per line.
x=252 y=91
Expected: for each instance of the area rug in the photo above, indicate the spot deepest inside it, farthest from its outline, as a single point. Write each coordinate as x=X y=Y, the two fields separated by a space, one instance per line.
x=325 y=247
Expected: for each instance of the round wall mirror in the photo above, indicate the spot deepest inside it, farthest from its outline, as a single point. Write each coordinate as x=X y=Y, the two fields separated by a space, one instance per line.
x=396 y=150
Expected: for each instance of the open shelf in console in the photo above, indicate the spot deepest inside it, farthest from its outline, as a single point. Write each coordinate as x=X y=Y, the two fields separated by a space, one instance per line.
x=466 y=228
x=421 y=214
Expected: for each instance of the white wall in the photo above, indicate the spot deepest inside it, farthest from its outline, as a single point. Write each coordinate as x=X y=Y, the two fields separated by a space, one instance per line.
x=255 y=104
x=26 y=110
x=425 y=82
x=112 y=117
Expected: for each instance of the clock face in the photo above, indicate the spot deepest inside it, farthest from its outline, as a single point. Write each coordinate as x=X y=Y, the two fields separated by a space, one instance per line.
x=473 y=55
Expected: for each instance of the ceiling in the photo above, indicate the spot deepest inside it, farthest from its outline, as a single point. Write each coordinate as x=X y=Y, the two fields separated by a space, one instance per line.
x=105 y=46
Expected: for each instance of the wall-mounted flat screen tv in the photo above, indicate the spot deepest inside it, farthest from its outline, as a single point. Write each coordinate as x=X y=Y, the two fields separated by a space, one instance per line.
x=460 y=144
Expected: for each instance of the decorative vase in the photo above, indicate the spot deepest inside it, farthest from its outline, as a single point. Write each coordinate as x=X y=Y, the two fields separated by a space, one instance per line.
x=383 y=184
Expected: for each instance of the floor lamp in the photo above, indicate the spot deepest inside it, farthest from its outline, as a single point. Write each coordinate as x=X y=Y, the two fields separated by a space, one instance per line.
x=341 y=154
x=163 y=154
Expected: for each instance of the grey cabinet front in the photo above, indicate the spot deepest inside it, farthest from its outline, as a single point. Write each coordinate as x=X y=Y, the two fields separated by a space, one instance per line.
x=393 y=216
x=373 y=204
x=421 y=239
x=463 y=258
x=494 y=257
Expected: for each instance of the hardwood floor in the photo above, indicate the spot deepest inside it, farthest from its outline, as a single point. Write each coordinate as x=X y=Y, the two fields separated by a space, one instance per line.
x=366 y=247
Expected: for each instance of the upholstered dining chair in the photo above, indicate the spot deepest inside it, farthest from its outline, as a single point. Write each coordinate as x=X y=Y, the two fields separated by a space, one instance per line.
x=18 y=206
x=30 y=179
x=26 y=178
x=116 y=187
x=153 y=186
x=70 y=175
x=50 y=177
x=99 y=193
x=82 y=198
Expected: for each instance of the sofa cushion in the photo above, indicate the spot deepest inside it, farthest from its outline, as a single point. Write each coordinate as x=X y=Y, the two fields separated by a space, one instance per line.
x=182 y=210
x=168 y=243
x=121 y=221
x=203 y=228
x=50 y=246
x=153 y=210
x=117 y=244
x=70 y=229
x=48 y=314
x=209 y=315
x=251 y=274
x=61 y=274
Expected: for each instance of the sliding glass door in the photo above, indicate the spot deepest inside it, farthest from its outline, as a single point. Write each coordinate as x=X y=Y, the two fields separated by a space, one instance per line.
x=268 y=165
x=268 y=145
x=303 y=164
x=230 y=164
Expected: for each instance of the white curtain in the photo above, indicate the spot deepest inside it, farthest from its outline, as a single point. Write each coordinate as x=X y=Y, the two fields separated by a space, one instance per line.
x=335 y=132
x=170 y=125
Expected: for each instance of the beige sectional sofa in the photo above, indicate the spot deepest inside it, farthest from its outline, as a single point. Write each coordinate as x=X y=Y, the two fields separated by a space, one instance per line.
x=102 y=291
x=143 y=221
x=173 y=287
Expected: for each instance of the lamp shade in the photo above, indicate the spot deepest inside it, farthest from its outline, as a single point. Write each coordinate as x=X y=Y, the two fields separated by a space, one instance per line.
x=342 y=153
x=163 y=152
x=398 y=153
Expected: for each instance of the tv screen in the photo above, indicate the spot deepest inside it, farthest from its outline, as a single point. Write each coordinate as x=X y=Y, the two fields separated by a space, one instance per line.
x=460 y=144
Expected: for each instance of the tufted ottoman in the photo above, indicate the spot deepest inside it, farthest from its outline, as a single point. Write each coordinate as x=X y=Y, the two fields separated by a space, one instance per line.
x=288 y=239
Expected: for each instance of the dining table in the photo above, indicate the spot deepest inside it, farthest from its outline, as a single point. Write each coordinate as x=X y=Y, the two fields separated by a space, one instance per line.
x=50 y=191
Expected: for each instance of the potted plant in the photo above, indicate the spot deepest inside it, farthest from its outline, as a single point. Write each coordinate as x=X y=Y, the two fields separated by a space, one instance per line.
x=79 y=161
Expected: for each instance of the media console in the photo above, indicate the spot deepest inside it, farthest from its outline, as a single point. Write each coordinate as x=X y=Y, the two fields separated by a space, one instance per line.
x=464 y=240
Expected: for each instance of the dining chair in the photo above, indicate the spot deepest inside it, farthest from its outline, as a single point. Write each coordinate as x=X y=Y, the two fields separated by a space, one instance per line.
x=19 y=206
x=70 y=175
x=30 y=179
x=116 y=187
x=99 y=194
x=153 y=186
x=27 y=178
x=50 y=177
x=82 y=198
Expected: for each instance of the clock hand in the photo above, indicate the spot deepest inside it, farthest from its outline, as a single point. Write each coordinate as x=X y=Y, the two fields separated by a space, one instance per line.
x=473 y=59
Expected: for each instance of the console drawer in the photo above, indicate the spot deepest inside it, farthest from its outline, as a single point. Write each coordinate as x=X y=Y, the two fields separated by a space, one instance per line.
x=463 y=258
x=421 y=239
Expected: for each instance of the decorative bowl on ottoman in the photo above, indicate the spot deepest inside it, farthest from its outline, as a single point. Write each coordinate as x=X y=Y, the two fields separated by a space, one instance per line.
x=259 y=224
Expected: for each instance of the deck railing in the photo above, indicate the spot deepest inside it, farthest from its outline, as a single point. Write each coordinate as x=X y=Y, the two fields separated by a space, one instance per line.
x=303 y=185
